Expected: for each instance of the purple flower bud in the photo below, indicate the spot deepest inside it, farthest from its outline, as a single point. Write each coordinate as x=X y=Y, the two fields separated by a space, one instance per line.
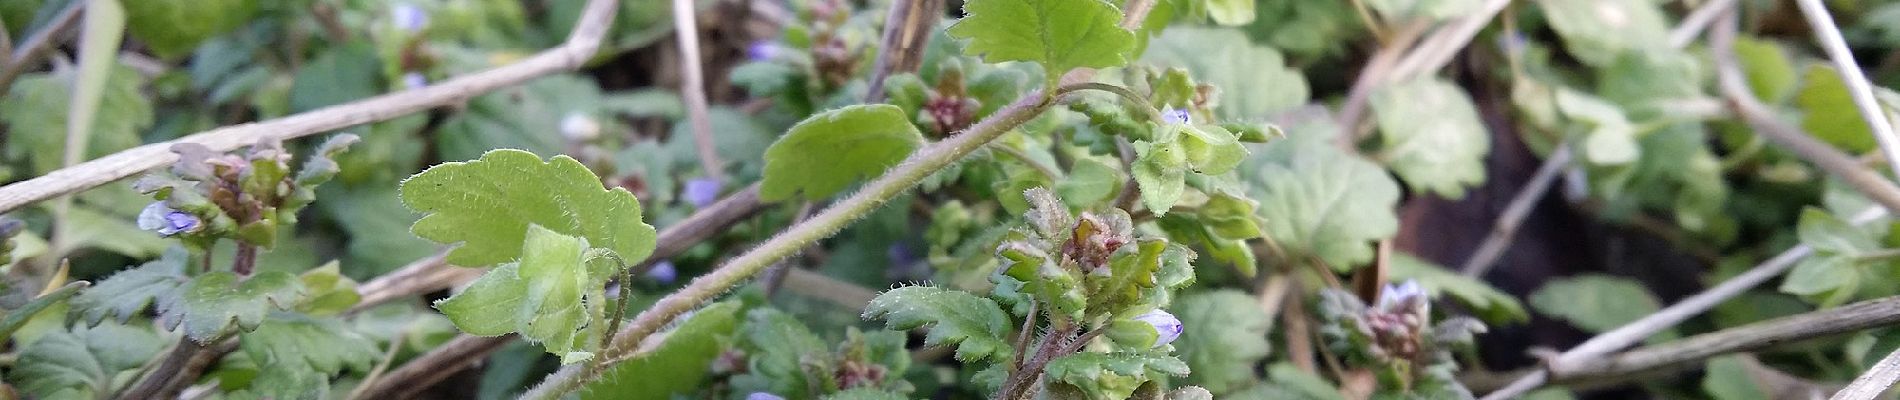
x=900 y=254
x=763 y=51
x=408 y=17
x=1396 y=294
x=166 y=221
x=414 y=80
x=1167 y=327
x=663 y=272
x=702 y=191
x=763 y=396
x=1173 y=116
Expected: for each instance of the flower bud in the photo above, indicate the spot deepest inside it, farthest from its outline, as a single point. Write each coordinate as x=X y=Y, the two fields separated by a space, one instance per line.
x=663 y=272
x=408 y=17
x=1176 y=117
x=1167 y=327
x=414 y=80
x=701 y=192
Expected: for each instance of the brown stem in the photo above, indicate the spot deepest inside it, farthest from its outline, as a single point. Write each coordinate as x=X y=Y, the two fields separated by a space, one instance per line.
x=245 y=260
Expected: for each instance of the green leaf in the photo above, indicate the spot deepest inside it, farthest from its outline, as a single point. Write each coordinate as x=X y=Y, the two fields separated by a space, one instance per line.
x=1059 y=34
x=1112 y=375
x=1210 y=149
x=1230 y=12
x=823 y=154
x=1223 y=337
x=1828 y=112
x=337 y=75
x=488 y=204
x=1834 y=275
x=127 y=293
x=1830 y=235
x=785 y=357
x=35 y=111
x=25 y=313
x=677 y=366
x=1769 y=69
x=1597 y=303
x=212 y=303
x=1611 y=138
x=1428 y=9
x=549 y=297
x=977 y=326
x=1493 y=306
x=296 y=356
x=1728 y=378
x=1160 y=171
x=1432 y=136
x=1255 y=79
x=1090 y=182
x=172 y=28
x=1596 y=32
x=1319 y=202
x=329 y=291
x=84 y=363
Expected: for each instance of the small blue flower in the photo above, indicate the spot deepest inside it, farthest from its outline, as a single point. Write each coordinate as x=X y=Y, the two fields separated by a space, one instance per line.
x=663 y=272
x=1396 y=294
x=763 y=51
x=1167 y=327
x=1173 y=116
x=414 y=80
x=578 y=126
x=763 y=396
x=408 y=17
x=900 y=254
x=166 y=221
x=702 y=191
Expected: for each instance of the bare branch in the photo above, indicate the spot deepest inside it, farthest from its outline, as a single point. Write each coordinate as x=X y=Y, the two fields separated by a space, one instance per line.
x=37 y=46
x=1436 y=50
x=906 y=32
x=693 y=88
x=1875 y=381
x=1845 y=319
x=438 y=364
x=1857 y=86
x=1697 y=21
x=1504 y=231
x=580 y=46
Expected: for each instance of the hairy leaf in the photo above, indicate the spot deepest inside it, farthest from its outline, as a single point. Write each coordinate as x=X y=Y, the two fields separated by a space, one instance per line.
x=488 y=204
x=977 y=326
x=1059 y=34
x=1223 y=338
x=823 y=154
x=35 y=113
x=84 y=363
x=679 y=365
x=1112 y=375
x=297 y=355
x=1828 y=111
x=549 y=297
x=211 y=304
x=128 y=292
x=1255 y=79
x=784 y=356
x=1597 y=31
x=1319 y=202
x=174 y=27
x=1432 y=136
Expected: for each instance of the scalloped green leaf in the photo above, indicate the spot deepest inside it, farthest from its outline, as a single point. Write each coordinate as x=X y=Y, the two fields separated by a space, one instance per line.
x=173 y=28
x=1059 y=34
x=212 y=304
x=127 y=293
x=1597 y=303
x=1431 y=135
x=1112 y=375
x=1320 y=202
x=84 y=363
x=297 y=355
x=549 y=297
x=1255 y=80
x=977 y=326
x=823 y=154
x=487 y=205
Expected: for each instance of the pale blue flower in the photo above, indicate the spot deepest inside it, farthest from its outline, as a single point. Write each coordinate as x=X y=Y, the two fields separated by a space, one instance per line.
x=1177 y=117
x=414 y=80
x=578 y=126
x=1167 y=327
x=701 y=192
x=763 y=396
x=663 y=272
x=158 y=217
x=408 y=17
x=1394 y=294
x=763 y=51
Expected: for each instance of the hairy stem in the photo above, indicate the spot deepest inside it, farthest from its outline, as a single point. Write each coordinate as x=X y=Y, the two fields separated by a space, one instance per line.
x=918 y=166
